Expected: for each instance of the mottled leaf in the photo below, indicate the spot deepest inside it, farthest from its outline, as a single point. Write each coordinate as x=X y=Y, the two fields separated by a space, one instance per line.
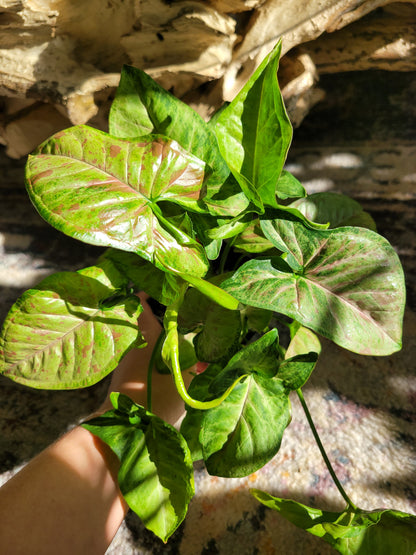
x=156 y=473
x=143 y=107
x=302 y=341
x=252 y=239
x=104 y=191
x=63 y=334
x=295 y=371
x=346 y=284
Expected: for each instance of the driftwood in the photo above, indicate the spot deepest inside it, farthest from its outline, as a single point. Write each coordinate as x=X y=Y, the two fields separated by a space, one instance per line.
x=382 y=40
x=60 y=60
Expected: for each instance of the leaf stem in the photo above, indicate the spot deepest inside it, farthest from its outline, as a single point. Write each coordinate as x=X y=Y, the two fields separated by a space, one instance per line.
x=323 y=452
x=170 y=354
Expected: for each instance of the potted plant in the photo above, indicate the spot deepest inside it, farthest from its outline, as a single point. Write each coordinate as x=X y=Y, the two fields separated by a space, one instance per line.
x=203 y=217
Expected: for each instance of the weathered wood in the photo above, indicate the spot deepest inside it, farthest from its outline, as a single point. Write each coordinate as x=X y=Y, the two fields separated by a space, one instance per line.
x=384 y=39
x=68 y=54
x=295 y=22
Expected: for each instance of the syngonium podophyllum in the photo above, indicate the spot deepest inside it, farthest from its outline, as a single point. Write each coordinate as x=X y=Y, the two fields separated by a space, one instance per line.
x=179 y=202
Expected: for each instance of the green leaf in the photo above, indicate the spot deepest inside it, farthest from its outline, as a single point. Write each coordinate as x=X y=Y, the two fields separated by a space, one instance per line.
x=295 y=371
x=191 y=424
x=380 y=532
x=290 y=213
x=202 y=224
x=289 y=187
x=302 y=341
x=228 y=201
x=346 y=284
x=260 y=357
x=338 y=210
x=252 y=239
x=220 y=335
x=162 y=286
x=225 y=228
x=104 y=191
x=258 y=319
x=64 y=335
x=221 y=328
x=143 y=107
x=156 y=473
x=254 y=133
x=244 y=432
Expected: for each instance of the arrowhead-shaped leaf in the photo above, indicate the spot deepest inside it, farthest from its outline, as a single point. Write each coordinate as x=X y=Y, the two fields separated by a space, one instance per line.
x=143 y=107
x=254 y=133
x=156 y=473
x=69 y=332
x=245 y=431
x=346 y=284
x=380 y=532
x=104 y=191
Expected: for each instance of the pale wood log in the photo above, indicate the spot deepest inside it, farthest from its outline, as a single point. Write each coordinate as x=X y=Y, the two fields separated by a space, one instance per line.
x=68 y=54
x=295 y=22
x=384 y=39
x=30 y=127
x=236 y=6
x=297 y=79
x=189 y=39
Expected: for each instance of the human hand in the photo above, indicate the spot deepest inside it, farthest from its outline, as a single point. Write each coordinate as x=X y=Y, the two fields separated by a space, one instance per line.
x=130 y=376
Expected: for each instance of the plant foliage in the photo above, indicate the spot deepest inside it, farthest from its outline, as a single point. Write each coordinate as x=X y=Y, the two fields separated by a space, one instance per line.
x=203 y=217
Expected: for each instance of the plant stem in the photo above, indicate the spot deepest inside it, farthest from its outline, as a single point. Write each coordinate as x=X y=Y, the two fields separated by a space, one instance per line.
x=170 y=354
x=225 y=253
x=323 y=452
x=150 y=370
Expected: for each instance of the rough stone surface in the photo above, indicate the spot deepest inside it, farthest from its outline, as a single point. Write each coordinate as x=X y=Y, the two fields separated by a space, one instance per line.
x=359 y=141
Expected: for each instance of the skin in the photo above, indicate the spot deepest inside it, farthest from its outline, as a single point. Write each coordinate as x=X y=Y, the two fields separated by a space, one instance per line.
x=66 y=500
